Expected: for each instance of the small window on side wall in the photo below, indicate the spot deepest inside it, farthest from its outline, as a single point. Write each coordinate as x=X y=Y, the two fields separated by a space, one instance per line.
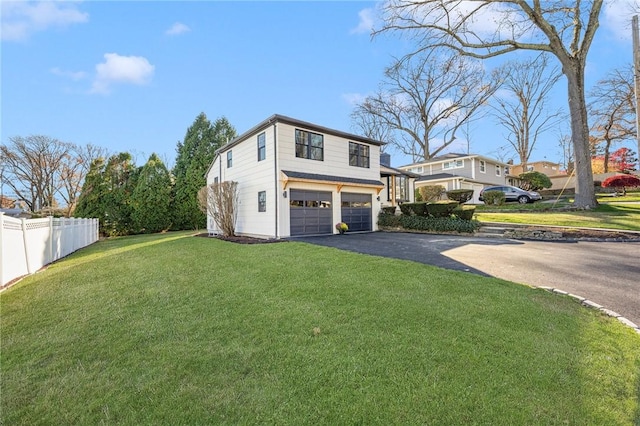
x=229 y=159
x=498 y=172
x=262 y=146
x=262 y=201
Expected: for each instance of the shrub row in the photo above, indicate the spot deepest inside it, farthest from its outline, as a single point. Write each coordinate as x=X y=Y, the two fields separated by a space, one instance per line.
x=438 y=209
x=435 y=224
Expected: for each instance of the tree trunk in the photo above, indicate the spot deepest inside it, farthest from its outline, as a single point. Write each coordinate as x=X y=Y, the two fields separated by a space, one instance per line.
x=585 y=192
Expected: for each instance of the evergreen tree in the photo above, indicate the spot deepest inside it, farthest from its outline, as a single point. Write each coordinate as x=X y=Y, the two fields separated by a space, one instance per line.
x=106 y=194
x=194 y=155
x=152 y=197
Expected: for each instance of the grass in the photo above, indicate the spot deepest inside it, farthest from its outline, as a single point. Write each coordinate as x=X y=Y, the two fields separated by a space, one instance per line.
x=169 y=329
x=610 y=214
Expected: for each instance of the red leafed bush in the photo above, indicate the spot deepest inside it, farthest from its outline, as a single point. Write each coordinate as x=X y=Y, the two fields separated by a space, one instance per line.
x=621 y=181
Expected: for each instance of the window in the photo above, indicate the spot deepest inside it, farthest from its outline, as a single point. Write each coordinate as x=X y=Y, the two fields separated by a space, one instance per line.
x=529 y=168
x=402 y=189
x=416 y=169
x=262 y=201
x=358 y=155
x=229 y=159
x=498 y=172
x=506 y=170
x=309 y=145
x=483 y=166
x=453 y=164
x=262 y=146
x=215 y=179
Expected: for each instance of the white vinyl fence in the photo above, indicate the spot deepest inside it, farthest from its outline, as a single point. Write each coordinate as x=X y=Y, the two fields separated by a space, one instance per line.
x=26 y=245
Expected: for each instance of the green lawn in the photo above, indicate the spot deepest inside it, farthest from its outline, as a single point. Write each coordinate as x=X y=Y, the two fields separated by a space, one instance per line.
x=171 y=329
x=610 y=214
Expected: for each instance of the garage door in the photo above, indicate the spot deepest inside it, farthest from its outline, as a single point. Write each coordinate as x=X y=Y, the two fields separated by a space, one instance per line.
x=356 y=211
x=310 y=212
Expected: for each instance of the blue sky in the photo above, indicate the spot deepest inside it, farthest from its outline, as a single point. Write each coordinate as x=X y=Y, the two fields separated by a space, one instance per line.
x=132 y=76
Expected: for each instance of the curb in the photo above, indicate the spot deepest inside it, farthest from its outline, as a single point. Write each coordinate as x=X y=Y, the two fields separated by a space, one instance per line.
x=590 y=304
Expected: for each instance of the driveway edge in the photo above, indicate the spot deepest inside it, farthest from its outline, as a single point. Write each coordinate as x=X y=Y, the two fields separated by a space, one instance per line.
x=590 y=304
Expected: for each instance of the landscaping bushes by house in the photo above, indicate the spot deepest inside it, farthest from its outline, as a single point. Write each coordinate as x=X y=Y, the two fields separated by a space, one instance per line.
x=443 y=216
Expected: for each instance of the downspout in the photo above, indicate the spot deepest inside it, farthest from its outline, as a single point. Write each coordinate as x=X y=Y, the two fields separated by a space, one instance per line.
x=275 y=176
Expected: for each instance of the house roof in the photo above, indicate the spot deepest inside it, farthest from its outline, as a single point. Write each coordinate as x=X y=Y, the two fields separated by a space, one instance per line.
x=313 y=177
x=438 y=176
x=454 y=156
x=388 y=170
x=277 y=118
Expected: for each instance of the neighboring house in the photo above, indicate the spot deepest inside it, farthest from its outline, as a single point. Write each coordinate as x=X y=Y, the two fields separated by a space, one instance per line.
x=460 y=171
x=297 y=178
x=399 y=185
x=547 y=167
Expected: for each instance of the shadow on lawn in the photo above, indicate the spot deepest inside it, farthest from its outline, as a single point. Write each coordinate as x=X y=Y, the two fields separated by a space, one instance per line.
x=417 y=247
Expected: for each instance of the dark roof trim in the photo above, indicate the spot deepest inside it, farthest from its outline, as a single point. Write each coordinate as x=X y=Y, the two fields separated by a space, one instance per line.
x=277 y=118
x=388 y=170
x=333 y=179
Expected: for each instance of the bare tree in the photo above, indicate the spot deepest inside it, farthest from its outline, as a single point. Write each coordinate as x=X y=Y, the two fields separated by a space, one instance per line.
x=613 y=111
x=31 y=166
x=73 y=170
x=427 y=98
x=220 y=200
x=522 y=109
x=566 y=147
x=372 y=127
x=488 y=28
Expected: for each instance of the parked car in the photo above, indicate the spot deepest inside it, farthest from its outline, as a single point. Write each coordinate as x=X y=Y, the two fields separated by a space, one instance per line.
x=513 y=193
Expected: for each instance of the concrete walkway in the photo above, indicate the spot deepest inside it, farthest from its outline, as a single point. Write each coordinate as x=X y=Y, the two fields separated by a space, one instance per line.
x=607 y=273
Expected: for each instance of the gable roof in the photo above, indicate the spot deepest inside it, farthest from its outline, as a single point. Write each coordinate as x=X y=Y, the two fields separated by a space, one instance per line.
x=314 y=177
x=438 y=176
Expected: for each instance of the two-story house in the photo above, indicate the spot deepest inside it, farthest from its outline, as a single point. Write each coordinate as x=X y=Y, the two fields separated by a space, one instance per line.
x=297 y=178
x=460 y=171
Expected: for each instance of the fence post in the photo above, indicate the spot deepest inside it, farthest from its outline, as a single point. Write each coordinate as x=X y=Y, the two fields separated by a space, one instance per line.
x=25 y=241
x=1 y=248
x=50 y=259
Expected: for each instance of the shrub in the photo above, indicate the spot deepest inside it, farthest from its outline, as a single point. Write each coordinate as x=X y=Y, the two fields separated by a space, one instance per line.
x=621 y=181
x=435 y=224
x=534 y=181
x=493 y=198
x=431 y=192
x=464 y=212
x=460 y=195
x=389 y=209
x=389 y=220
x=441 y=208
x=410 y=209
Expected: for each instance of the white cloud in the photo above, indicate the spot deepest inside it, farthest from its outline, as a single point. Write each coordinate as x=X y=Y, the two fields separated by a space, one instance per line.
x=21 y=19
x=73 y=75
x=353 y=99
x=366 y=22
x=616 y=17
x=177 y=28
x=121 y=69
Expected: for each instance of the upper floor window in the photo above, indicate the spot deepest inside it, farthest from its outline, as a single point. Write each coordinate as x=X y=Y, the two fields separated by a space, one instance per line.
x=456 y=164
x=262 y=146
x=498 y=171
x=309 y=145
x=262 y=201
x=416 y=169
x=529 y=168
x=358 y=155
x=483 y=166
x=506 y=170
x=229 y=159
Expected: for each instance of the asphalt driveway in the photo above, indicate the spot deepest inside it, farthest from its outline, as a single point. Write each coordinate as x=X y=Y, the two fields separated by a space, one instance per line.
x=607 y=273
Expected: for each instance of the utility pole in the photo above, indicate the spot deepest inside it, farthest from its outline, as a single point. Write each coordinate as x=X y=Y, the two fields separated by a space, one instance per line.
x=636 y=74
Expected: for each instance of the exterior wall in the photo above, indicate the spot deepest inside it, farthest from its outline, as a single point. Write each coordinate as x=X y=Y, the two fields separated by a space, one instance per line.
x=546 y=167
x=252 y=176
x=470 y=169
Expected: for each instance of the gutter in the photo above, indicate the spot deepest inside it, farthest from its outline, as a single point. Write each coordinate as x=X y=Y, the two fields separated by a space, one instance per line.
x=275 y=175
